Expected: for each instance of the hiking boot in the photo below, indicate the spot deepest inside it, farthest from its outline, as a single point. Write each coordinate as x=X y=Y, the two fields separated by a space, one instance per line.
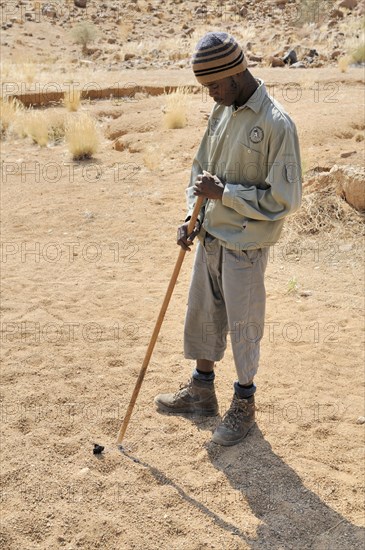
x=236 y=423
x=193 y=397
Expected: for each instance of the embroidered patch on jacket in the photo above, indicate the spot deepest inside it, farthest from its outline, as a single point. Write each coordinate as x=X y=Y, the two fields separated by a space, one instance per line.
x=256 y=134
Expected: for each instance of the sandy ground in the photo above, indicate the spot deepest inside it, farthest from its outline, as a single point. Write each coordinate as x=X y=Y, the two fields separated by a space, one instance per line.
x=87 y=252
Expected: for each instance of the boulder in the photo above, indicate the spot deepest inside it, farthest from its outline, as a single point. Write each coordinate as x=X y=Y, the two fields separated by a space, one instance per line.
x=350 y=184
x=348 y=4
x=80 y=3
x=290 y=57
x=336 y=14
x=255 y=58
x=49 y=11
x=120 y=145
x=336 y=53
x=276 y=62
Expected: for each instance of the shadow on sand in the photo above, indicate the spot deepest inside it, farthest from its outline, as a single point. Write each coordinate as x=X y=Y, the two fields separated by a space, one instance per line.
x=291 y=515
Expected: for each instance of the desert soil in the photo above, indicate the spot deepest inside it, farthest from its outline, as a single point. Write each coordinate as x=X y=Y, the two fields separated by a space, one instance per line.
x=88 y=249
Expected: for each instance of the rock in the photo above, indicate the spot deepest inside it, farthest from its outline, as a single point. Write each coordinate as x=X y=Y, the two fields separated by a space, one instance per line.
x=80 y=3
x=306 y=293
x=49 y=10
x=243 y=11
x=257 y=58
x=298 y=65
x=348 y=4
x=119 y=145
x=112 y=40
x=350 y=184
x=201 y=9
x=347 y=154
x=331 y=23
x=129 y=56
x=290 y=57
x=335 y=54
x=361 y=9
x=276 y=62
x=360 y=420
x=336 y=14
x=189 y=31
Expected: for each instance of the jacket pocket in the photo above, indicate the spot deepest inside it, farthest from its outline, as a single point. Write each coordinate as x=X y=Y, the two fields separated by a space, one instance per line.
x=252 y=165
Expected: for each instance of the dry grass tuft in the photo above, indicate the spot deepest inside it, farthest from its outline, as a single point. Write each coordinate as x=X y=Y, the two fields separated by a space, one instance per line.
x=35 y=124
x=9 y=111
x=152 y=158
x=29 y=71
x=176 y=108
x=324 y=211
x=72 y=100
x=358 y=54
x=82 y=136
x=343 y=63
x=57 y=126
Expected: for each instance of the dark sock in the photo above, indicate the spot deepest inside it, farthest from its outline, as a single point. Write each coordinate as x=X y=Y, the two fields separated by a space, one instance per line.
x=203 y=376
x=244 y=391
x=204 y=372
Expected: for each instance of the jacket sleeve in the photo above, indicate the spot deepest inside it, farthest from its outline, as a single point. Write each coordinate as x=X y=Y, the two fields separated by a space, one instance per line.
x=283 y=181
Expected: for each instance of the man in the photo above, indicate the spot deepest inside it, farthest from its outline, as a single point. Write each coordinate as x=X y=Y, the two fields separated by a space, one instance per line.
x=251 y=148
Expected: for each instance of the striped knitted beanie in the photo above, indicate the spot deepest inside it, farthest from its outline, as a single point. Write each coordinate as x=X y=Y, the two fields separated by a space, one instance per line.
x=217 y=56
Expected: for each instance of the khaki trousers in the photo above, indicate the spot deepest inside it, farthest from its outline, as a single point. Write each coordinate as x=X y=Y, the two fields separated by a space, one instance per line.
x=227 y=295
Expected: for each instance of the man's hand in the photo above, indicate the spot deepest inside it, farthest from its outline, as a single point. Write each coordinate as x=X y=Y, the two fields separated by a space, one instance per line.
x=208 y=186
x=183 y=239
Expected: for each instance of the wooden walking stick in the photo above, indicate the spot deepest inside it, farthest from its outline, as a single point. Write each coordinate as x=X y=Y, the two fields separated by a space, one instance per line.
x=158 y=324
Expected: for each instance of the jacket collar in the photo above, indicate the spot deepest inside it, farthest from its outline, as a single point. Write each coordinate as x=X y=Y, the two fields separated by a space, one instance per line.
x=255 y=101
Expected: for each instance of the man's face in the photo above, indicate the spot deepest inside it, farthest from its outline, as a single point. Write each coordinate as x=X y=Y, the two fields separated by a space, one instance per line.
x=224 y=91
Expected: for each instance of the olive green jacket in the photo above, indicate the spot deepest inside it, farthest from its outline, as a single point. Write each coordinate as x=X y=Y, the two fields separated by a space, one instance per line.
x=254 y=151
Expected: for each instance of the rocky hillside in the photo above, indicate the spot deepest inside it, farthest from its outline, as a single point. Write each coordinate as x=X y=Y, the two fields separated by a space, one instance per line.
x=155 y=34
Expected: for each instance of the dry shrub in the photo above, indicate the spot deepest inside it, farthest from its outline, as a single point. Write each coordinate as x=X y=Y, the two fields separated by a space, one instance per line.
x=176 y=108
x=9 y=111
x=324 y=211
x=72 y=100
x=82 y=136
x=83 y=34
